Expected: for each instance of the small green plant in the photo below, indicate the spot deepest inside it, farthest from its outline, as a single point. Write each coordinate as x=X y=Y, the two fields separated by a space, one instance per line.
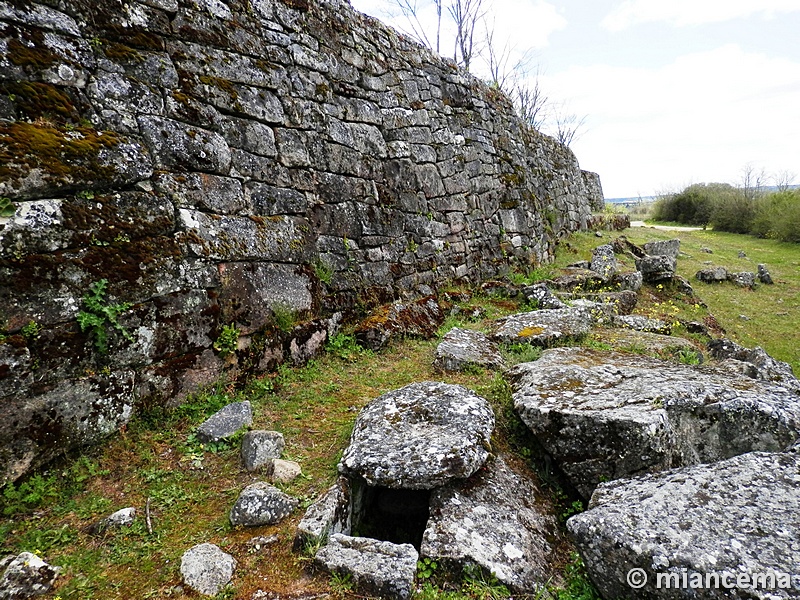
x=573 y=508
x=323 y=271
x=520 y=353
x=346 y=347
x=284 y=317
x=31 y=331
x=29 y=494
x=85 y=195
x=688 y=357
x=7 y=207
x=227 y=340
x=426 y=568
x=341 y=583
x=576 y=583
x=481 y=586
x=99 y=314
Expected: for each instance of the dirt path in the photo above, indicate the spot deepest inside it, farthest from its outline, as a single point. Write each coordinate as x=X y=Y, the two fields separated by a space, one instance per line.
x=664 y=227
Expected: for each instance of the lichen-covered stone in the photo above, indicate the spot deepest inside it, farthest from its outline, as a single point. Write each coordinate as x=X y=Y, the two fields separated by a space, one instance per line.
x=206 y=569
x=36 y=428
x=763 y=275
x=259 y=448
x=461 y=349
x=603 y=262
x=712 y=275
x=542 y=297
x=421 y=318
x=377 y=568
x=663 y=248
x=656 y=268
x=754 y=363
x=737 y=516
x=25 y=576
x=642 y=323
x=420 y=437
x=744 y=279
x=654 y=344
x=226 y=422
x=543 y=327
x=494 y=520
x=261 y=504
x=330 y=514
x=607 y=415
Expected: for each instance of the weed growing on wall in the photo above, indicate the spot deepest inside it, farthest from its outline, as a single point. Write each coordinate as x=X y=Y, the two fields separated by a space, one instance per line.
x=99 y=314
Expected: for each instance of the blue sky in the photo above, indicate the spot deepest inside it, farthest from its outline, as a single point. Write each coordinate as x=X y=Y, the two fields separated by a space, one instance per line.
x=674 y=91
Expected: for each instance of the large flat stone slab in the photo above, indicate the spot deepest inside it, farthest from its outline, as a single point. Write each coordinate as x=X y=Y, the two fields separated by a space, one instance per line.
x=381 y=568
x=609 y=415
x=461 y=349
x=494 y=520
x=420 y=437
x=543 y=327
x=738 y=516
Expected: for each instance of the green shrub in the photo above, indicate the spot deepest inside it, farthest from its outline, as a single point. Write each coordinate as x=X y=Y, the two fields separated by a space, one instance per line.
x=777 y=216
x=227 y=341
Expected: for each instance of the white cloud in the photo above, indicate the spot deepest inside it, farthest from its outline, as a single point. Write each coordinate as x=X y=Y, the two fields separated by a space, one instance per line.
x=699 y=118
x=692 y=12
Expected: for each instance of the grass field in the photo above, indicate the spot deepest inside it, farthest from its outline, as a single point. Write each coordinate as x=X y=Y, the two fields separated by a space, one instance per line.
x=768 y=316
x=192 y=486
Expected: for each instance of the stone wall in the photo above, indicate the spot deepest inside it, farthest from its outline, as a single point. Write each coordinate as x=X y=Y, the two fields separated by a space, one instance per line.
x=229 y=163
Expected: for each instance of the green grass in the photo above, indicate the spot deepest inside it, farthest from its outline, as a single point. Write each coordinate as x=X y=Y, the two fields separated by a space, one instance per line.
x=773 y=315
x=191 y=486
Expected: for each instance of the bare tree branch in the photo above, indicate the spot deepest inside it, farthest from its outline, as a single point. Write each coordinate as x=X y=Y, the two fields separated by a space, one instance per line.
x=466 y=15
x=567 y=126
x=410 y=10
x=784 y=180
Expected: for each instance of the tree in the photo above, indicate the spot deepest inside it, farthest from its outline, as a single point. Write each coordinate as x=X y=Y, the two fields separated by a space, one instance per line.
x=784 y=180
x=465 y=15
x=410 y=10
x=567 y=125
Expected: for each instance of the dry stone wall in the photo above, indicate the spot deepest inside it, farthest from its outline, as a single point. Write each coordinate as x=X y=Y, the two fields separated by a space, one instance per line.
x=222 y=162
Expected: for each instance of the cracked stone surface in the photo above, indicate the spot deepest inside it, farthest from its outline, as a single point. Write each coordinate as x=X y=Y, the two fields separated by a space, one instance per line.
x=420 y=436
x=381 y=568
x=493 y=520
x=738 y=515
x=462 y=348
x=542 y=327
x=607 y=415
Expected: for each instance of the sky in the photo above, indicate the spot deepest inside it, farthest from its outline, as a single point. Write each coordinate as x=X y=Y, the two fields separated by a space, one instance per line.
x=672 y=92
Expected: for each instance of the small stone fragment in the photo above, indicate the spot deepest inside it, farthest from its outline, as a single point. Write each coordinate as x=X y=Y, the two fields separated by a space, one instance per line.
x=226 y=422
x=207 y=569
x=261 y=504
x=260 y=447
x=461 y=349
x=285 y=471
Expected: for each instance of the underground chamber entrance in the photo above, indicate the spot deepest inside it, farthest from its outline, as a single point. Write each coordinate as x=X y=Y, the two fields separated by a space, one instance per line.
x=392 y=515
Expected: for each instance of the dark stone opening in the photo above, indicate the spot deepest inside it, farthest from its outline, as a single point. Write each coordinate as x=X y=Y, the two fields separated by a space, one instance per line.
x=392 y=515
